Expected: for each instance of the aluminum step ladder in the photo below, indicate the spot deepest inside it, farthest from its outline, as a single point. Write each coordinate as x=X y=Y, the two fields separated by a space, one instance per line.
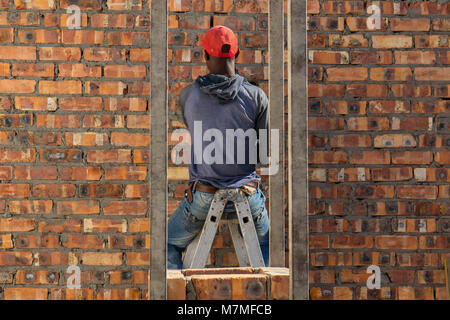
x=245 y=242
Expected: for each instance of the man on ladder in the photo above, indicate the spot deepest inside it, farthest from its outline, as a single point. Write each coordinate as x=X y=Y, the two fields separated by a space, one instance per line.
x=219 y=101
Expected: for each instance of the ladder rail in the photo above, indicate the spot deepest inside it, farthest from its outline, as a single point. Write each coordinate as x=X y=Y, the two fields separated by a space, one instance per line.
x=198 y=250
x=245 y=241
x=251 y=241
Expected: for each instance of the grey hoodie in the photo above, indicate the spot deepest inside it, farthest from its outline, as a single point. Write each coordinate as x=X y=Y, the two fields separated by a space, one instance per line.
x=222 y=103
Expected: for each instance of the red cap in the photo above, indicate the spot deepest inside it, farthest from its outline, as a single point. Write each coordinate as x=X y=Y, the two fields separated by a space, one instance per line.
x=218 y=36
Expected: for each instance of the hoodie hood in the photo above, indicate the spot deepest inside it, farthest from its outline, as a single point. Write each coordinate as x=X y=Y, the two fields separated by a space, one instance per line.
x=223 y=87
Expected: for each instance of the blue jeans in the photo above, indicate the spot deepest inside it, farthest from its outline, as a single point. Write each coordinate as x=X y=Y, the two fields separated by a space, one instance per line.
x=187 y=221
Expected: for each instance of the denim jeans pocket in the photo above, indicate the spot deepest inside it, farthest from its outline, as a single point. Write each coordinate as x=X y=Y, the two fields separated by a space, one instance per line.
x=204 y=199
x=191 y=222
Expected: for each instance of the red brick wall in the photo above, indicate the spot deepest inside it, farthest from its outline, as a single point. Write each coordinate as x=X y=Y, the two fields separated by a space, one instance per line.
x=74 y=140
x=378 y=149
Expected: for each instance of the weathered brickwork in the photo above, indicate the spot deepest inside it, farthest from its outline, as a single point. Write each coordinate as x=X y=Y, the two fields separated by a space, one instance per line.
x=74 y=138
x=378 y=149
x=74 y=147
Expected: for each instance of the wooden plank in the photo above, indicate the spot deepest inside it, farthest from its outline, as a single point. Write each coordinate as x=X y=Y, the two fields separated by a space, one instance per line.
x=158 y=152
x=298 y=151
x=276 y=121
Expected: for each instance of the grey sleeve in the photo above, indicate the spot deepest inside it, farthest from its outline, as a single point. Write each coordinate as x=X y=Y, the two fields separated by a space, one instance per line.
x=262 y=106
x=262 y=113
x=262 y=120
x=183 y=98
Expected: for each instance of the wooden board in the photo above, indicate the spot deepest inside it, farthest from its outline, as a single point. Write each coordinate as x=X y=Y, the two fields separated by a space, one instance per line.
x=276 y=121
x=158 y=152
x=298 y=151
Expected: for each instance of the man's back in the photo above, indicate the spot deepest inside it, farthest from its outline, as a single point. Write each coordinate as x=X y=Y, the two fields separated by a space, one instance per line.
x=224 y=115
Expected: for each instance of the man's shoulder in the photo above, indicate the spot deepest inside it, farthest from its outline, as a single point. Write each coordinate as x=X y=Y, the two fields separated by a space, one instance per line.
x=186 y=90
x=256 y=92
x=185 y=93
x=253 y=89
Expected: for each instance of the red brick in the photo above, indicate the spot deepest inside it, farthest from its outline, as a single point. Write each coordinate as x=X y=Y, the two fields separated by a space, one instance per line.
x=104 y=225
x=126 y=173
x=328 y=57
x=131 y=207
x=222 y=6
x=83 y=241
x=123 y=71
x=347 y=74
x=360 y=24
x=26 y=293
x=390 y=74
x=330 y=90
x=367 y=90
x=58 y=53
x=104 y=54
x=394 y=141
x=101 y=156
x=77 y=207
x=350 y=140
x=252 y=6
x=431 y=41
x=417 y=192
x=80 y=173
x=415 y=57
x=118 y=294
x=92 y=37
x=60 y=225
x=392 y=174
x=431 y=74
x=412 y=157
x=371 y=57
x=405 y=90
x=442 y=157
x=138 y=258
x=325 y=23
x=101 y=258
x=39 y=36
x=327 y=157
x=369 y=157
x=389 y=106
x=391 y=41
x=103 y=121
x=86 y=139
x=17 y=86
x=36 y=4
x=325 y=123
x=130 y=139
x=60 y=87
x=396 y=242
x=30 y=241
x=6 y=242
x=348 y=174
x=112 y=21
x=73 y=70
x=434 y=242
x=374 y=191
x=410 y=25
